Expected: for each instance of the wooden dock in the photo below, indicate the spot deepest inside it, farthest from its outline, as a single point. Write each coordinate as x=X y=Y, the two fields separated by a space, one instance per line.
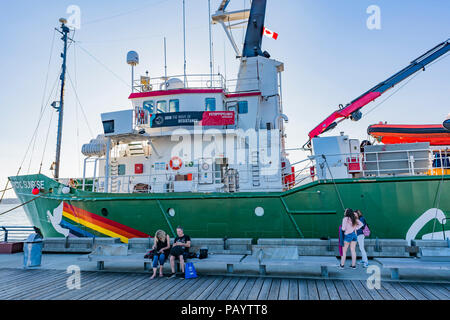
x=18 y=284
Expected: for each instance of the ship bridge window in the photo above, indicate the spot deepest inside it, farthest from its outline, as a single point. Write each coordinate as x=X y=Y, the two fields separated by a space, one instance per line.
x=149 y=106
x=161 y=106
x=210 y=104
x=242 y=107
x=174 y=105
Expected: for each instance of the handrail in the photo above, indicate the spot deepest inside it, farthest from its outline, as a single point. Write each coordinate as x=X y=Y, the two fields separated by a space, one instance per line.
x=20 y=233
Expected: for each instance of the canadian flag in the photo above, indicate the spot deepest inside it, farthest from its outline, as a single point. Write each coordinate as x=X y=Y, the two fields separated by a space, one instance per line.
x=270 y=34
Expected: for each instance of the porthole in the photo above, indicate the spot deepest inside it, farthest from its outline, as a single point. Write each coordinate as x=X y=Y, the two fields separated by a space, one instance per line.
x=259 y=211
x=171 y=212
x=104 y=212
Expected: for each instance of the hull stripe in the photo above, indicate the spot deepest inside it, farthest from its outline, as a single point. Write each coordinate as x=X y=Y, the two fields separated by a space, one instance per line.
x=97 y=223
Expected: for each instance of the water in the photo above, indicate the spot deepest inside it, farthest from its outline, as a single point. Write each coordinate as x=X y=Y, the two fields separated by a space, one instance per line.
x=16 y=217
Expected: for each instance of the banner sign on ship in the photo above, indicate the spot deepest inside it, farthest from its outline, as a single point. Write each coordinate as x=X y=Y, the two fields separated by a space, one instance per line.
x=202 y=118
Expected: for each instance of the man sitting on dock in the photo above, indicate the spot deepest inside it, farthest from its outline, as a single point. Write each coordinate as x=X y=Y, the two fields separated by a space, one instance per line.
x=180 y=249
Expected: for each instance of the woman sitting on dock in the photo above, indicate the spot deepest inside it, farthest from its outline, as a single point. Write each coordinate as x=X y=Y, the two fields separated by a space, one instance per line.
x=161 y=246
x=350 y=224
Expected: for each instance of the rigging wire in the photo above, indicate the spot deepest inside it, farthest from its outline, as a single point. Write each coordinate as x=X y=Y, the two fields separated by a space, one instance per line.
x=102 y=64
x=140 y=9
x=79 y=102
x=403 y=85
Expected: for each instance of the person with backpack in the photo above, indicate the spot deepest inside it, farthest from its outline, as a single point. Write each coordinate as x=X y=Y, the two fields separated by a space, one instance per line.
x=361 y=234
x=161 y=247
x=180 y=250
x=350 y=224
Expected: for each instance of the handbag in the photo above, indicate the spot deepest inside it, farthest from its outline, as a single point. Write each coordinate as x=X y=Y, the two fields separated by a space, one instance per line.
x=203 y=254
x=366 y=231
x=189 y=271
x=150 y=254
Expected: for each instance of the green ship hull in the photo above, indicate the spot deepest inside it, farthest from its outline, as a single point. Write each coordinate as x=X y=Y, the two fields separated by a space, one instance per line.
x=395 y=207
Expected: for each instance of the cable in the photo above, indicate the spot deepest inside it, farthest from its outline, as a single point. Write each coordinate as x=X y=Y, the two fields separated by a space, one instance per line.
x=102 y=64
x=81 y=106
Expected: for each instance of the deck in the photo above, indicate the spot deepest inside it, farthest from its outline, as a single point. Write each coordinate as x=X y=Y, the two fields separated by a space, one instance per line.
x=39 y=284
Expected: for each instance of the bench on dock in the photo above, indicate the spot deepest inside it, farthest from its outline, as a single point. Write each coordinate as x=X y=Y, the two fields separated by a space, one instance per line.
x=411 y=263
x=224 y=251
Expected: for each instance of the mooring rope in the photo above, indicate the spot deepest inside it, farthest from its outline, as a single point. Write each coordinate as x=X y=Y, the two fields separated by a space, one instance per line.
x=334 y=183
x=21 y=205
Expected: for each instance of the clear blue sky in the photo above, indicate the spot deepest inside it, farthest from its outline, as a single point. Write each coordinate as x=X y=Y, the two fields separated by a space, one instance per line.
x=330 y=57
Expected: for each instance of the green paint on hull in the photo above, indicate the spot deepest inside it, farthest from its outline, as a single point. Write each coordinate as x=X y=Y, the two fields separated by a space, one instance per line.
x=390 y=205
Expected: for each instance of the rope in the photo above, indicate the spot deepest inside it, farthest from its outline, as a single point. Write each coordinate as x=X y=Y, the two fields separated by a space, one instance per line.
x=2 y=213
x=334 y=183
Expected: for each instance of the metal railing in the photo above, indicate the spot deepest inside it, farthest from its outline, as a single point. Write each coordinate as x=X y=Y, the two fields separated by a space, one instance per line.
x=196 y=81
x=15 y=233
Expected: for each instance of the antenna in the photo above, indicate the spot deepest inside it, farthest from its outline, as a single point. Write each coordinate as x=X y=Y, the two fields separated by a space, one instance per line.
x=210 y=42
x=132 y=60
x=165 y=61
x=184 y=40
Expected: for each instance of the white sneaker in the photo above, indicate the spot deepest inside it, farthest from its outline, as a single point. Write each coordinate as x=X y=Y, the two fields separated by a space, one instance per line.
x=365 y=264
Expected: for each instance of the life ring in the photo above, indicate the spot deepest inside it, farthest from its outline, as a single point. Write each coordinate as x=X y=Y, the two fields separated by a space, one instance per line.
x=175 y=163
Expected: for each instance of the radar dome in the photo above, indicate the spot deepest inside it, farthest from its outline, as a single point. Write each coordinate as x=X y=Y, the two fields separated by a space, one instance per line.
x=133 y=58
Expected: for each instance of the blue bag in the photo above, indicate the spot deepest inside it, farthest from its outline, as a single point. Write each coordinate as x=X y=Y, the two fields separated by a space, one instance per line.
x=189 y=271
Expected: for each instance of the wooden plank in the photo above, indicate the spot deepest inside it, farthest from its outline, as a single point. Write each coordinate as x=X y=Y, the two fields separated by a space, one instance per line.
x=293 y=289
x=254 y=292
x=322 y=290
x=193 y=288
x=243 y=295
x=274 y=292
x=303 y=290
x=284 y=290
x=437 y=290
x=373 y=292
x=161 y=286
x=128 y=288
x=142 y=286
x=112 y=284
x=26 y=279
x=332 y=292
x=341 y=290
x=57 y=281
x=413 y=291
x=87 y=283
x=265 y=289
x=85 y=278
x=184 y=286
x=312 y=290
x=392 y=291
x=205 y=294
x=385 y=294
x=355 y=290
x=106 y=285
x=30 y=284
x=427 y=294
x=167 y=293
x=228 y=289
x=237 y=289
x=13 y=287
x=203 y=287
x=220 y=288
x=362 y=289
x=405 y=293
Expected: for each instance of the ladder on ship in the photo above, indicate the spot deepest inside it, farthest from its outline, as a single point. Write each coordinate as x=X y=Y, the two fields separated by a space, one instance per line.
x=136 y=149
x=256 y=179
x=114 y=174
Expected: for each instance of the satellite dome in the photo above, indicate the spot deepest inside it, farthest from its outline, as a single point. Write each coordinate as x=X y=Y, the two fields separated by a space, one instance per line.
x=133 y=58
x=175 y=83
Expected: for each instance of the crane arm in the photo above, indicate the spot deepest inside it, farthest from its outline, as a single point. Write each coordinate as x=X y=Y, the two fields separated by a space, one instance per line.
x=352 y=109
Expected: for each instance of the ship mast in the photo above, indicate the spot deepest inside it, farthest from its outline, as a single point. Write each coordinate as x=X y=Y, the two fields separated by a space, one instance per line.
x=64 y=31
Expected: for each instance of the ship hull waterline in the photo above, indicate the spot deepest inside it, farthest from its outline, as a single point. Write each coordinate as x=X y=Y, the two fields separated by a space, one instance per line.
x=395 y=208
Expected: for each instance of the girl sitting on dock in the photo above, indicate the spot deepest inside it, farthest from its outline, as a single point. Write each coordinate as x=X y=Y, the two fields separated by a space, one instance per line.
x=161 y=246
x=350 y=224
